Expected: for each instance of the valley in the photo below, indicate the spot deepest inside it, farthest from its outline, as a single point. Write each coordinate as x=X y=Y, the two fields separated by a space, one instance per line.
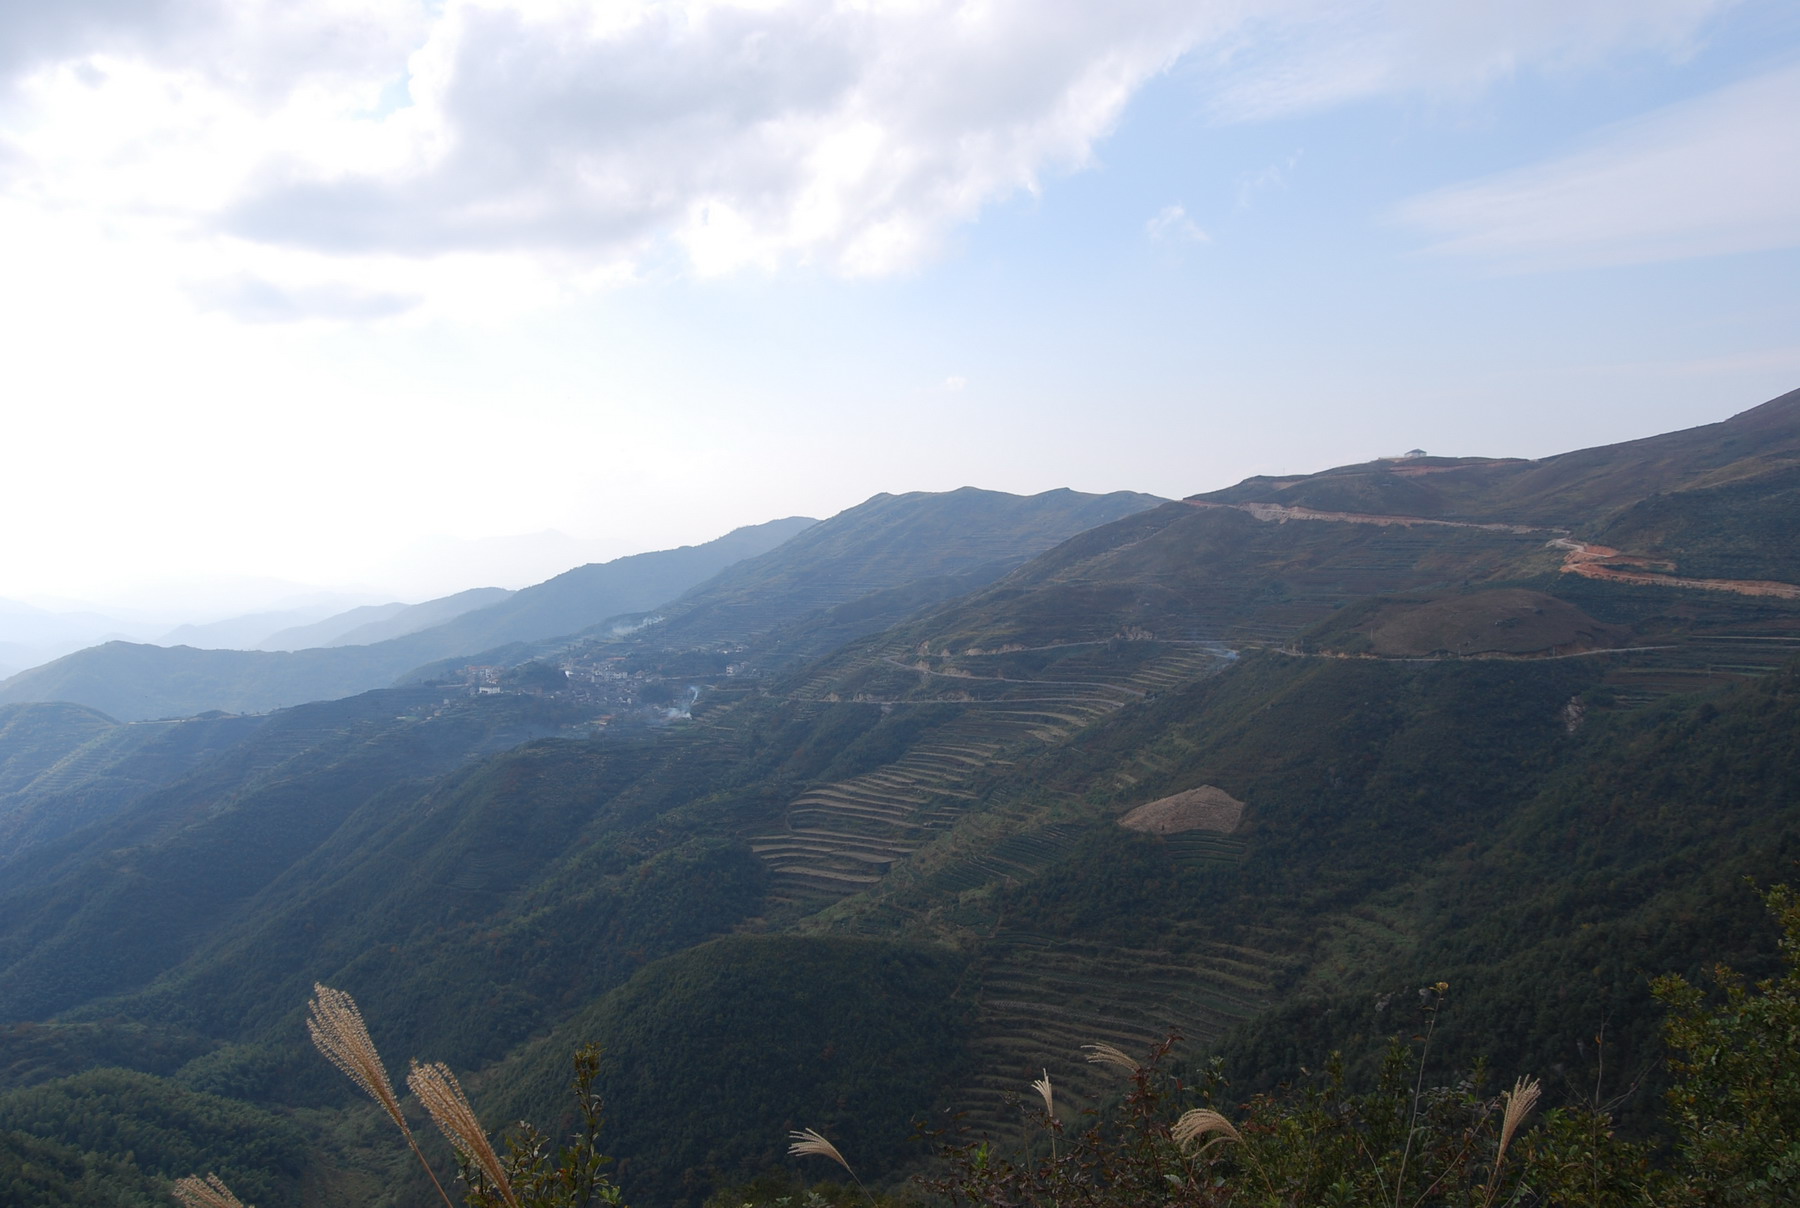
x=893 y=812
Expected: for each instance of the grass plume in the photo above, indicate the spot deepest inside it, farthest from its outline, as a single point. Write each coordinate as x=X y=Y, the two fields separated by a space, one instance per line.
x=1047 y=1092
x=442 y=1095
x=806 y=1142
x=1197 y=1122
x=338 y=1031
x=1519 y=1102
x=210 y=1192
x=1106 y=1054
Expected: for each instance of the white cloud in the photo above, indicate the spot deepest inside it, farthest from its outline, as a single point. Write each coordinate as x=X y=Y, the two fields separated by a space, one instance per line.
x=1712 y=176
x=1300 y=55
x=843 y=134
x=255 y=300
x=341 y=157
x=260 y=50
x=1275 y=176
x=1171 y=224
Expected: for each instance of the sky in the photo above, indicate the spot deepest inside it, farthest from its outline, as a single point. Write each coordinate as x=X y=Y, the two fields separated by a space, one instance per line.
x=394 y=298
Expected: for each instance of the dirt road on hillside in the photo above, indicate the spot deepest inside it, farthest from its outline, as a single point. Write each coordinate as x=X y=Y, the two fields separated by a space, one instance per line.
x=1582 y=558
x=1605 y=563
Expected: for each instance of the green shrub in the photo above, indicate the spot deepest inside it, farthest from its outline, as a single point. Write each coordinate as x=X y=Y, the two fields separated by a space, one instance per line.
x=1735 y=1103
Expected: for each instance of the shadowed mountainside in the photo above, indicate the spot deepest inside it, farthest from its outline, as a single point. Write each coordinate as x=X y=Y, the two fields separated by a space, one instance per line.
x=875 y=563
x=860 y=571
x=895 y=878
x=578 y=598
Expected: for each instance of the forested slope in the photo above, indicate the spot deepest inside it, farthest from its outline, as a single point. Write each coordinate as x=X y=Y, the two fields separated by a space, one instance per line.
x=849 y=890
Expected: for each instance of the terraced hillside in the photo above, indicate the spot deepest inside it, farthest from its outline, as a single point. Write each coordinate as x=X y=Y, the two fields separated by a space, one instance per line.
x=1691 y=641
x=1043 y=997
x=843 y=836
x=918 y=845
x=922 y=818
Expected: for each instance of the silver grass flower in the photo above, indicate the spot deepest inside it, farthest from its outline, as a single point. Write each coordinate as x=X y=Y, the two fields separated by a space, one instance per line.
x=210 y=1192
x=1106 y=1054
x=1519 y=1102
x=1042 y=1087
x=806 y=1142
x=1197 y=1122
x=338 y=1032
x=442 y=1095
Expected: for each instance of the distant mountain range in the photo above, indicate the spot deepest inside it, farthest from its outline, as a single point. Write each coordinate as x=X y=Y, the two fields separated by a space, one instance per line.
x=130 y=681
x=875 y=563
x=374 y=623
x=246 y=632
x=884 y=816
x=963 y=538
x=30 y=635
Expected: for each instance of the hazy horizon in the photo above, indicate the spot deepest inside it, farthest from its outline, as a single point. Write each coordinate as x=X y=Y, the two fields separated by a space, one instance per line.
x=318 y=294
x=429 y=568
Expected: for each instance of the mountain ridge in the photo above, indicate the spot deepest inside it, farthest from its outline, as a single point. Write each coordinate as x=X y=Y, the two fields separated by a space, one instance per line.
x=1454 y=760
x=135 y=682
x=1750 y=444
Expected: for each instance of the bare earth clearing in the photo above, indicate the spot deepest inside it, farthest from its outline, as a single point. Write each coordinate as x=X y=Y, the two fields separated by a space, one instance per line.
x=1204 y=808
x=1601 y=562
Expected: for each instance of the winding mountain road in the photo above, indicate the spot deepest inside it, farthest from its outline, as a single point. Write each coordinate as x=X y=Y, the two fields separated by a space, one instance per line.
x=1582 y=558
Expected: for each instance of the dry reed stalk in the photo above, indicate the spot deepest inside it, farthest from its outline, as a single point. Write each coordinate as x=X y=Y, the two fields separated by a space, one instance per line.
x=1106 y=1054
x=442 y=1095
x=210 y=1192
x=1197 y=1122
x=806 y=1142
x=338 y=1031
x=1519 y=1102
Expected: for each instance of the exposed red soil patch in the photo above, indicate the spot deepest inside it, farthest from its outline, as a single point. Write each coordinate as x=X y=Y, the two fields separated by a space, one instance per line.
x=1280 y=513
x=1602 y=562
x=1588 y=561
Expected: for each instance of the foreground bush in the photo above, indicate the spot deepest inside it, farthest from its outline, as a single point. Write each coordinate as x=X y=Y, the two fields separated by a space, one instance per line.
x=530 y=1175
x=1734 y=1108
x=1735 y=1104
